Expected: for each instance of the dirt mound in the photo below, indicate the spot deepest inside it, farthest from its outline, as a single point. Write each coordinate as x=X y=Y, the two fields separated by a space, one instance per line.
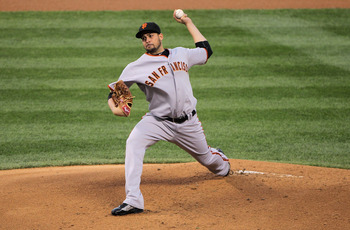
x=183 y=196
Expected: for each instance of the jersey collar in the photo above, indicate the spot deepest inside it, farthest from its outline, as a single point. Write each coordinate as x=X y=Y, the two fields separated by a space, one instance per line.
x=164 y=53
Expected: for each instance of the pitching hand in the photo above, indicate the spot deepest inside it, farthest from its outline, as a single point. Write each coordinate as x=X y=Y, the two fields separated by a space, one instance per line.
x=183 y=20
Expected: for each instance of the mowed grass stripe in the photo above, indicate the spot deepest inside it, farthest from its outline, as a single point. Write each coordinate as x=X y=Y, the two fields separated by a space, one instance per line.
x=58 y=145
x=121 y=61
x=141 y=107
x=278 y=103
x=62 y=33
x=243 y=50
x=115 y=42
x=204 y=93
x=239 y=115
x=63 y=63
x=21 y=131
x=77 y=33
x=82 y=19
x=217 y=69
x=236 y=77
x=39 y=74
x=233 y=83
x=266 y=93
x=88 y=52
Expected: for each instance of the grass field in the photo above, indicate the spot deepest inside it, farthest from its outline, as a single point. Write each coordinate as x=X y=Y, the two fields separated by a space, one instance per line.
x=276 y=89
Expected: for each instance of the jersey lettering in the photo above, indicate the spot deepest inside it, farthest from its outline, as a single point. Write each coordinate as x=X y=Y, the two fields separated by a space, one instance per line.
x=155 y=75
x=179 y=66
x=152 y=79
x=149 y=83
x=165 y=70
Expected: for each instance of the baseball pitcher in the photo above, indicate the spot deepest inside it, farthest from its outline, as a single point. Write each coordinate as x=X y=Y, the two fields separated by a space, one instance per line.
x=163 y=75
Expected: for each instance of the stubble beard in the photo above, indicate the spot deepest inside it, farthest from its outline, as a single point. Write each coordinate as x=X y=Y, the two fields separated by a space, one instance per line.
x=155 y=49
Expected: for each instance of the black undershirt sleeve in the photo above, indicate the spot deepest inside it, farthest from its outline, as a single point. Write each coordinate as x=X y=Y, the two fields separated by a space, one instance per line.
x=205 y=45
x=109 y=95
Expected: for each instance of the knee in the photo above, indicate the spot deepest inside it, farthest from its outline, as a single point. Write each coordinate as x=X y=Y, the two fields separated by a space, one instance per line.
x=130 y=140
x=136 y=143
x=134 y=138
x=132 y=144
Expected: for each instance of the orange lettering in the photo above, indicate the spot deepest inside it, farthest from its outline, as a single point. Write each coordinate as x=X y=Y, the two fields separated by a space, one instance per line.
x=155 y=75
x=165 y=70
x=152 y=79
x=160 y=71
x=179 y=64
x=149 y=83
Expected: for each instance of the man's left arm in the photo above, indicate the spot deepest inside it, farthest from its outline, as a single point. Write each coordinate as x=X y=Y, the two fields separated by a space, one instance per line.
x=120 y=99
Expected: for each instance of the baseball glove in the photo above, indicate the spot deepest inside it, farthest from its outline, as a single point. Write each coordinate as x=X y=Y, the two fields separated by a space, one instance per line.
x=122 y=97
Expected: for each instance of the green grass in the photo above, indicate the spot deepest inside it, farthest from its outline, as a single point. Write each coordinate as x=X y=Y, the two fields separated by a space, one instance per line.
x=276 y=89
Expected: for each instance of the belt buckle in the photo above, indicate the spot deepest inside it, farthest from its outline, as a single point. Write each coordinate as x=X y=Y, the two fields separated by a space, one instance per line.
x=182 y=119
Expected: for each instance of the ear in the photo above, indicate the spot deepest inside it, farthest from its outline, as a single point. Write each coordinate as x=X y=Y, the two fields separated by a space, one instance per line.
x=161 y=36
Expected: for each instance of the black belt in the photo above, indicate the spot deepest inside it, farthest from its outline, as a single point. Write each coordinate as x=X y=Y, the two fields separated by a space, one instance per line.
x=180 y=120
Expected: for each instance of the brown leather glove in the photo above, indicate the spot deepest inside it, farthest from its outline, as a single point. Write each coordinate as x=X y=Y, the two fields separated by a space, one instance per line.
x=122 y=97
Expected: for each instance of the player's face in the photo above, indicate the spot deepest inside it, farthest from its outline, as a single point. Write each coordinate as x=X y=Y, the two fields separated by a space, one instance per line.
x=152 y=42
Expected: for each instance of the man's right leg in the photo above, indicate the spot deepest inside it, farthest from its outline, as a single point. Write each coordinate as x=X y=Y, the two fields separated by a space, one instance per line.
x=146 y=133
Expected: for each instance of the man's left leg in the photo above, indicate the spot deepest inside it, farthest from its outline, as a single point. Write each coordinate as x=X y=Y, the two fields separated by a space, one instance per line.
x=191 y=138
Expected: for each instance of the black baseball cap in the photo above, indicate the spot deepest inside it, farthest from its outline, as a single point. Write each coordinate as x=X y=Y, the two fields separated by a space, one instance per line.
x=148 y=27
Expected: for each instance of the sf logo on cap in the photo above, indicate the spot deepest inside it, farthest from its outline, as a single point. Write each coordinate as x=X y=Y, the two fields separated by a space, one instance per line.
x=144 y=25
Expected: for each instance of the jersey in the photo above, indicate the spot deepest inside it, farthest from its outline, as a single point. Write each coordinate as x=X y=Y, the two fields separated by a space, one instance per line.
x=165 y=80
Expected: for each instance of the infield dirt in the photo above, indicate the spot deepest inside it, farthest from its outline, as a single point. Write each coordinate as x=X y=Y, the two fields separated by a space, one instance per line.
x=178 y=196
x=263 y=195
x=92 y=5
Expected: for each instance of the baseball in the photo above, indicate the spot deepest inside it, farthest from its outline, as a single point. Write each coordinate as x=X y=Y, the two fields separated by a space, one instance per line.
x=179 y=13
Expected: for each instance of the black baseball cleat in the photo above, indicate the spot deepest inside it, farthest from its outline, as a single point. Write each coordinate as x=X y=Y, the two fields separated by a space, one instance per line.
x=125 y=209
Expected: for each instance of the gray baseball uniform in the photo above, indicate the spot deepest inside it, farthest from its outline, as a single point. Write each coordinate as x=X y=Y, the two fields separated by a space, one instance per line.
x=165 y=81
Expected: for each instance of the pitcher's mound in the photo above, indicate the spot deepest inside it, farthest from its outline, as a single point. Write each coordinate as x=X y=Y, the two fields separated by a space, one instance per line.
x=260 y=195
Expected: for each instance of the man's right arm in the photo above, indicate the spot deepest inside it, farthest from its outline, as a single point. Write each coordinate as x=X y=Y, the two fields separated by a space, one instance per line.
x=198 y=38
x=195 y=33
x=205 y=45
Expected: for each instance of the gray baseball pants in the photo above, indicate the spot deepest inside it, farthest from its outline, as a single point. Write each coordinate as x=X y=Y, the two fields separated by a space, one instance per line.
x=188 y=135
